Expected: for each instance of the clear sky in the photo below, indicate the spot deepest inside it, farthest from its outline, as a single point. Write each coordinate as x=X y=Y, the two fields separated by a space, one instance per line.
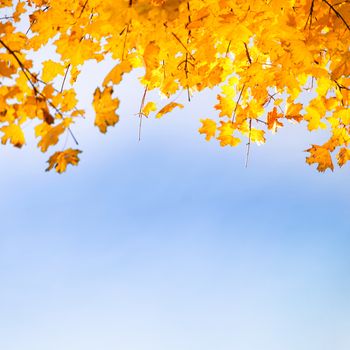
x=171 y=243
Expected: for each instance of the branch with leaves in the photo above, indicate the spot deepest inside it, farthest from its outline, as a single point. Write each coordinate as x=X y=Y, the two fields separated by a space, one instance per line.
x=263 y=57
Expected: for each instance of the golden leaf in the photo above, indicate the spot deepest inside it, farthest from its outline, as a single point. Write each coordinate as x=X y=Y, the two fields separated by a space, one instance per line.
x=226 y=137
x=321 y=156
x=343 y=156
x=50 y=134
x=208 y=128
x=272 y=120
x=51 y=69
x=168 y=108
x=116 y=74
x=60 y=160
x=148 y=108
x=151 y=58
x=105 y=107
x=14 y=134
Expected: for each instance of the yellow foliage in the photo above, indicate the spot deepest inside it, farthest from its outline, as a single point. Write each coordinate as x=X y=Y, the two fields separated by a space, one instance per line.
x=265 y=56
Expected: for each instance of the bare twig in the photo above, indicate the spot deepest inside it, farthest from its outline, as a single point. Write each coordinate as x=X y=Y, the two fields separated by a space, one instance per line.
x=83 y=8
x=249 y=143
x=65 y=77
x=237 y=103
x=247 y=53
x=228 y=48
x=183 y=45
x=309 y=17
x=141 y=107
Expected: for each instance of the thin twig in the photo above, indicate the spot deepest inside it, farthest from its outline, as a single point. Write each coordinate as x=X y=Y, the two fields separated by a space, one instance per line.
x=83 y=8
x=340 y=86
x=249 y=143
x=71 y=134
x=65 y=77
x=6 y=17
x=228 y=48
x=237 y=103
x=125 y=39
x=182 y=44
x=247 y=53
x=309 y=18
x=140 y=113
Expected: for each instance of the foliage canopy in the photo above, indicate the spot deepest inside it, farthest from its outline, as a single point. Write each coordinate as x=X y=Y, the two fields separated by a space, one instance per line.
x=264 y=55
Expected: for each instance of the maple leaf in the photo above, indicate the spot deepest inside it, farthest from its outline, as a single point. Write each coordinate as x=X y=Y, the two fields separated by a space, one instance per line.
x=293 y=112
x=226 y=137
x=105 y=107
x=168 y=108
x=116 y=74
x=272 y=120
x=321 y=156
x=151 y=58
x=6 y=70
x=208 y=128
x=343 y=156
x=148 y=108
x=14 y=134
x=50 y=134
x=60 y=160
x=51 y=69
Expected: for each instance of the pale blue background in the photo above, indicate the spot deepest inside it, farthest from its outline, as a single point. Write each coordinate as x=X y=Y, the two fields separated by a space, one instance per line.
x=171 y=244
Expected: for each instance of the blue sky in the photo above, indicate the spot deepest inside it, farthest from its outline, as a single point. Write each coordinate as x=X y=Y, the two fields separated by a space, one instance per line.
x=171 y=243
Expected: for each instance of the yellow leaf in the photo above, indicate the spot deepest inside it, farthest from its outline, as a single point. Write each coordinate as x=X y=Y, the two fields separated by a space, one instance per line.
x=208 y=128
x=116 y=74
x=105 y=107
x=148 y=108
x=151 y=58
x=50 y=134
x=226 y=137
x=168 y=108
x=14 y=134
x=60 y=160
x=20 y=9
x=257 y=136
x=226 y=103
x=293 y=112
x=51 y=69
x=315 y=112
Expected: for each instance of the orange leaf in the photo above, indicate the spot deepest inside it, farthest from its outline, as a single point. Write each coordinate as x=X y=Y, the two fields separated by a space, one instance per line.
x=60 y=160
x=168 y=108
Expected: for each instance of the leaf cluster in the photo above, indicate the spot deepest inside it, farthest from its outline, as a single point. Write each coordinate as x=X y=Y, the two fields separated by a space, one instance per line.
x=273 y=61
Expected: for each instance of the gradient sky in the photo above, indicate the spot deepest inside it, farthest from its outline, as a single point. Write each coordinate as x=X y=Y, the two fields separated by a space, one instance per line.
x=171 y=243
